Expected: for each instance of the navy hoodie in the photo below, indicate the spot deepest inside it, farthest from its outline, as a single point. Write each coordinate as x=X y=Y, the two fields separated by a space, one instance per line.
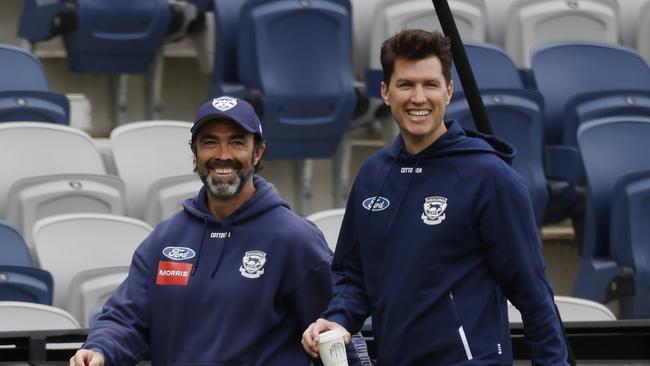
x=432 y=244
x=205 y=292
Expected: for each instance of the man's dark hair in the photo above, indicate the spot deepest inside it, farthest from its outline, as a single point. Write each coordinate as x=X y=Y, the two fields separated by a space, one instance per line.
x=257 y=143
x=415 y=44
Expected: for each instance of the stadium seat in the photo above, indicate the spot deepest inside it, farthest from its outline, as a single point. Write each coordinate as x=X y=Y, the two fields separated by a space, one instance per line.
x=90 y=289
x=116 y=36
x=66 y=243
x=148 y=151
x=534 y=22
x=630 y=239
x=514 y=112
x=13 y=247
x=572 y=309
x=34 y=198
x=296 y=59
x=23 y=316
x=577 y=92
x=166 y=195
x=62 y=155
x=329 y=223
x=613 y=148
x=24 y=91
x=27 y=284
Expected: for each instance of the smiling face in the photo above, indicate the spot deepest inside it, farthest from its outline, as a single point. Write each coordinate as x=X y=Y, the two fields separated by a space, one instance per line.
x=226 y=158
x=418 y=95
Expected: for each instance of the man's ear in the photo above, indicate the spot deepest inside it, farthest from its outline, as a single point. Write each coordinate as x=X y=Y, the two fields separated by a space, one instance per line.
x=384 y=93
x=258 y=153
x=450 y=91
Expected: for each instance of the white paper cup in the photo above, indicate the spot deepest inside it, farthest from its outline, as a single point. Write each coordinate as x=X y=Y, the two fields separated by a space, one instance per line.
x=332 y=348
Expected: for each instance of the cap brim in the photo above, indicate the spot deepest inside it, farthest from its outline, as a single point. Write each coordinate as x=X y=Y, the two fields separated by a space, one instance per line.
x=212 y=116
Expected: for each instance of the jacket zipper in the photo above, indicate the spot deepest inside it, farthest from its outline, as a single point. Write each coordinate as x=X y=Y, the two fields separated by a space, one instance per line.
x=461 y=331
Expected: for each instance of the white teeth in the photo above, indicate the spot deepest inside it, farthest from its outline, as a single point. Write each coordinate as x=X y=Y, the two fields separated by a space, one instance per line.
x=223 y=171
x=418 y=112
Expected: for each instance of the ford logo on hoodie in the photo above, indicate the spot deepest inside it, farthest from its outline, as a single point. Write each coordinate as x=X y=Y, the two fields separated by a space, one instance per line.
x=178 y=253
x=380 y=203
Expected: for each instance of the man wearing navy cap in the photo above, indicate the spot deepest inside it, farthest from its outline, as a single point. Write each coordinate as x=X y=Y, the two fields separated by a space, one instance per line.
x=232 y=279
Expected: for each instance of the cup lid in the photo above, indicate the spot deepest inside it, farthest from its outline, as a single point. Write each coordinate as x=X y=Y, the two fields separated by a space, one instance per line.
x=330 y=335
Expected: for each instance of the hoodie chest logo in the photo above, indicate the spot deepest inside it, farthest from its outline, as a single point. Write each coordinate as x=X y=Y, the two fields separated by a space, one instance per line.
x=253 y=264
x=178 y=253
x=376 y=203
x=434 y=210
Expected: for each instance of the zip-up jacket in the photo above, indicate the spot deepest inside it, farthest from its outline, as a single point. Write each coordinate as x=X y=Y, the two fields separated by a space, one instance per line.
x=205 y=292
x=431 y=246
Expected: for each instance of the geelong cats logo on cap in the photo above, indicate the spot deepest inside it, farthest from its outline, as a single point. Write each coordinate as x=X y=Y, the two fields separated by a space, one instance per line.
x=224 y=103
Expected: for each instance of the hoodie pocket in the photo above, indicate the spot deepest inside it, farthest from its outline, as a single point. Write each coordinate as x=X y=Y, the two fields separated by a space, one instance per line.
x=461 y=331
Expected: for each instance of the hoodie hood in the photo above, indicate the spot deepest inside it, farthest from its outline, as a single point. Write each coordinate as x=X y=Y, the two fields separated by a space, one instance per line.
x=455 y=141
x=263 y=199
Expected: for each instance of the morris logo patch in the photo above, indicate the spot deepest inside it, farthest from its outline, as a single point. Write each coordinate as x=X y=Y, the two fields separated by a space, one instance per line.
x=178 y=253
x=224 y=103
x=378 y=203
x=253 y=264
x=434 y=210
x=173 y=273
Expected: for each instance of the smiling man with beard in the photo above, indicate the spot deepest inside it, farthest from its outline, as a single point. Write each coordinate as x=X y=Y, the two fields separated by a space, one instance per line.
x=232 y=279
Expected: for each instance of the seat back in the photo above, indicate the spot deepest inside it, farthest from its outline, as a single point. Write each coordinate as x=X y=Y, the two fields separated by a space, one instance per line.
x=582 y=73
x=572 y=309
x=39 y=149
x=24 y=92
x=298 y=56
x=116 y=36
x=147 y=151
x=28 y=284
x=89 y=241
x=13 y=247
x=611 y=148
x=90 y=289
x=533 y=22
x=491 y=66
x=33 y=198
x=362 y=24
x=629 y=232
x=225 y=76
x=166 y=195
x=23 y=316
x=329 y=223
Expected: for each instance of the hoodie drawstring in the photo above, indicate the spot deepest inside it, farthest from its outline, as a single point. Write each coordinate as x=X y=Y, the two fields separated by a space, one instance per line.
x=198 y=254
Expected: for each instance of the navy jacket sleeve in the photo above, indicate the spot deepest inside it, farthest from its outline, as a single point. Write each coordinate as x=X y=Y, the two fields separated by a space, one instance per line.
x=508 y=230
x=121 y=331
x=350 y=305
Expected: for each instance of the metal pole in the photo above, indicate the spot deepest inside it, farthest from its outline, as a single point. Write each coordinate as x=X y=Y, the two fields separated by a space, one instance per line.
x=463 y=67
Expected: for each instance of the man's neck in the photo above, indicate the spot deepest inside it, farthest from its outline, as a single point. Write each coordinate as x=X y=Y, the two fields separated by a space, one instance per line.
x=223 y=208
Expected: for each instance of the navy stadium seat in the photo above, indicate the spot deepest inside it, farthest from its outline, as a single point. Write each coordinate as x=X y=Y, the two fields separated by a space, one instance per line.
x=614 y=151
x=13 y=247
x=26 y=284
x=24 y=92
x=514 y=112
x=294 y=63
x=109 y=36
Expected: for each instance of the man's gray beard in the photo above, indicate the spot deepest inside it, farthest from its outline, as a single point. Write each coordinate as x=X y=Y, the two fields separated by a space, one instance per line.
x=225 y=191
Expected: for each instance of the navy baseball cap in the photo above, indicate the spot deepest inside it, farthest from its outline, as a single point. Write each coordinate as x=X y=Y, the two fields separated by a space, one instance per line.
x=234 y=109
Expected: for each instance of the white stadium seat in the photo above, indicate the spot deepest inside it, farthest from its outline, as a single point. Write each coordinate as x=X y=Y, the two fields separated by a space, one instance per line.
x=329 y=222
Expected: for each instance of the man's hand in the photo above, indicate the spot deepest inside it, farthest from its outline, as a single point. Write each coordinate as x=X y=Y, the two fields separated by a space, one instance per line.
x=311 y=335
x=86 y=357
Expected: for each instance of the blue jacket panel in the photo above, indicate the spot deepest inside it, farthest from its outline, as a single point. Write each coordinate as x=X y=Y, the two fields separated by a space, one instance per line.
x=431 y=246
x=205 y=292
